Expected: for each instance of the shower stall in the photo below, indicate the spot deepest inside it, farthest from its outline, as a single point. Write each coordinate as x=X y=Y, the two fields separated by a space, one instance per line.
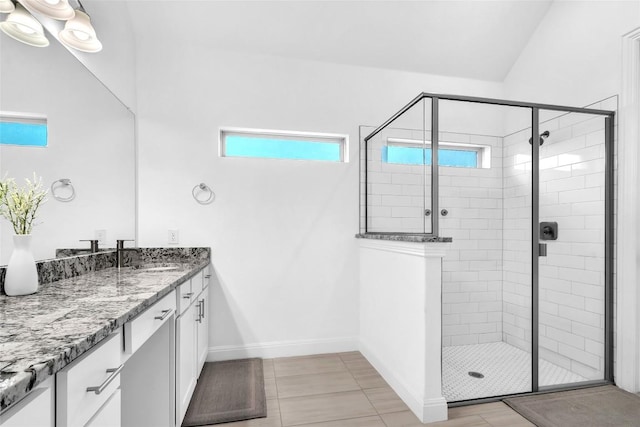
x=525 y=191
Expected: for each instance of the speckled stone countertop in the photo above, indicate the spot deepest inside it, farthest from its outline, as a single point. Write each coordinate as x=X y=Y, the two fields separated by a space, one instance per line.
x=42 y=333
x=417 y=238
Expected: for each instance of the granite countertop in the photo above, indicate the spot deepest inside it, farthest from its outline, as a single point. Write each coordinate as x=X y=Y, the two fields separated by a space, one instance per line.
x=42 y=333
x=417 y=238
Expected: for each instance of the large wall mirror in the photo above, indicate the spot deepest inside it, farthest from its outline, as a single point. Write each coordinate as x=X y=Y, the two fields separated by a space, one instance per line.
x=91 y=142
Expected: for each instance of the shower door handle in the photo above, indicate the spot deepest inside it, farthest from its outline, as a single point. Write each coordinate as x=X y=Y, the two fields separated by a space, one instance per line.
x=542 y=249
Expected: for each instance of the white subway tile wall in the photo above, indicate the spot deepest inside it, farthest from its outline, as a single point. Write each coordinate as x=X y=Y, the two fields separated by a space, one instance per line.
x=472 y=267
x=516 y=291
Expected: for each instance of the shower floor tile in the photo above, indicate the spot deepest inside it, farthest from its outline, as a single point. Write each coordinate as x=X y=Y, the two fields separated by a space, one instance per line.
x=506 y=370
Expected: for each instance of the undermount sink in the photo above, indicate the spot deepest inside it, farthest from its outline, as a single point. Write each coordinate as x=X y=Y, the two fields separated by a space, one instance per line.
x=155 y=269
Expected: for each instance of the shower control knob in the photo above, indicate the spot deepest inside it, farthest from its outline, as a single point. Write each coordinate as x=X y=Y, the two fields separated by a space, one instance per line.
x=444 y=212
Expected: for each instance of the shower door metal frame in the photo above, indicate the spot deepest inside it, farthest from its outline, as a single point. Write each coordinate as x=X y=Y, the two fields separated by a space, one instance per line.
x=609 y=117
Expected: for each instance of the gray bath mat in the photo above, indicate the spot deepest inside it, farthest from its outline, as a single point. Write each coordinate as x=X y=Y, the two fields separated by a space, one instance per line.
x=606 y=406
x=227 y=391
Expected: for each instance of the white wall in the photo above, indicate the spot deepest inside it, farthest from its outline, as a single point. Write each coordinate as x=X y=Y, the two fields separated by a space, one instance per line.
x=574 y=56
x=281 y=231
x=400 y=317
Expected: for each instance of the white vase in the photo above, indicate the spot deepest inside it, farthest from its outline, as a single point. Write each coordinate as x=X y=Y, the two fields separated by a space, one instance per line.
x=22 y=276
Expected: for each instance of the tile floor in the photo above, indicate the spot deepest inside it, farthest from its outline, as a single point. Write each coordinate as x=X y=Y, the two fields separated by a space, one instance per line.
x=506 y=370
x=344 y=390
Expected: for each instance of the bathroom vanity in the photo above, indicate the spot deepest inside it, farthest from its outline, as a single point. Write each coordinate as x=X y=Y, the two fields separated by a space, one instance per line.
x=109 y=347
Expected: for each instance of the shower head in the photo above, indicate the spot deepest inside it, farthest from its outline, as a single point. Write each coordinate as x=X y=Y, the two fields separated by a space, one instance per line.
x=544 y=135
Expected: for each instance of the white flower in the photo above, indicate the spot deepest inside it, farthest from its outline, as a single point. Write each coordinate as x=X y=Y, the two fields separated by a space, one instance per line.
x=20 y=205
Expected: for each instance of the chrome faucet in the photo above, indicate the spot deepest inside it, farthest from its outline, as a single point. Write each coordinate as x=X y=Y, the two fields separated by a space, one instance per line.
x=94 y=245
x=120 y=249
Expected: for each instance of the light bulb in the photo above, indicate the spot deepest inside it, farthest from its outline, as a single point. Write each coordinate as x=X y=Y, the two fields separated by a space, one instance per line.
x=80 y=35
x=56 y=9
x=24 y=29
x=6 y=6
x=21 y=26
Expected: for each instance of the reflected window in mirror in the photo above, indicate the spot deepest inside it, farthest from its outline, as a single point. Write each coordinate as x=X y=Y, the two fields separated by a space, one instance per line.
x=23 y=130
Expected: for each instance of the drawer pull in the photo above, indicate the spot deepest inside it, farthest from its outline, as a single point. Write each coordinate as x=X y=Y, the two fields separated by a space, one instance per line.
x=114 y=373
x=188 y=295
x=207 y=276
x=165 y=314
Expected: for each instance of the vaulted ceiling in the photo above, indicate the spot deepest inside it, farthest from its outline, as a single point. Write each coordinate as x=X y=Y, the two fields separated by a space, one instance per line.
x=473 y=39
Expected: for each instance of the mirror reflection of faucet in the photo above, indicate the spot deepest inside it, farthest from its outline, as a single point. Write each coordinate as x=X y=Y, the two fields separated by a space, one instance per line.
x=94 y=245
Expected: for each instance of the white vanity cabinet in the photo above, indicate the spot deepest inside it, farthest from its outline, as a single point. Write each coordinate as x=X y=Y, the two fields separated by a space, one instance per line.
x=203 y=323
x=142 y=375
x=192 y=332
x=34 y=410
x=88 y=388
x=148 y=389
x=186 y=341
x=110 y=414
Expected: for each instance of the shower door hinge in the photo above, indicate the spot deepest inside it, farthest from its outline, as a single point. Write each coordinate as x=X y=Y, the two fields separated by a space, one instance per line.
x=542 y=249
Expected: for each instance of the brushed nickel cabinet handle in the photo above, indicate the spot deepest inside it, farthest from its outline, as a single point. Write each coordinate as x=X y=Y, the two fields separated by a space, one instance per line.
x=188 y=295
x=165 y=314
x=199 y=319
x=114 y=373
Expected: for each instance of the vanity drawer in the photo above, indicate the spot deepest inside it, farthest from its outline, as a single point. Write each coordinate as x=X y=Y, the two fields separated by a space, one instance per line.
x=138 y=330
x=196 y=283
x=185 y=296
x=206 y=278
x=98 y=370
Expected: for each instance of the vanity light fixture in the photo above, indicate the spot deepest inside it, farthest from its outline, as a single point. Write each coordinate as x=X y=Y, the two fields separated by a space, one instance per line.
x=56 y=9
x=6 y=6
x=78 y=33
x=20 y=25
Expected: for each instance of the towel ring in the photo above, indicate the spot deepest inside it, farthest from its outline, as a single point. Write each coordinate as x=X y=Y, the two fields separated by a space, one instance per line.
x=202 y=187
x=66 y=182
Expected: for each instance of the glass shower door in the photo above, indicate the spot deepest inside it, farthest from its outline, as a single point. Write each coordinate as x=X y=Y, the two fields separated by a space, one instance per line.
x=572 y=236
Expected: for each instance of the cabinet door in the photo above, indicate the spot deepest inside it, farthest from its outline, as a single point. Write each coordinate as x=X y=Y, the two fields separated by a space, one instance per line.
x=109 y=414
x=203 y=329
x=185 y=360
x=35 y=410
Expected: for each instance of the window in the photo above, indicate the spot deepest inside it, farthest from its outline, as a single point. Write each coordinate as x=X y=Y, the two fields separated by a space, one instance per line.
x=271 y=144
x=412 y=152
x=23 y=130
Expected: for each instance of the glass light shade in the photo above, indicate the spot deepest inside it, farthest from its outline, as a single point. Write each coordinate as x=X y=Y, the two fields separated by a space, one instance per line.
x=79 y=34
x=6 y=6
x=20 y=25
x=56 y=9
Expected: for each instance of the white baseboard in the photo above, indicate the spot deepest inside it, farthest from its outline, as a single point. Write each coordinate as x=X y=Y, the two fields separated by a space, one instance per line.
x=427 y=410
x=282 y=349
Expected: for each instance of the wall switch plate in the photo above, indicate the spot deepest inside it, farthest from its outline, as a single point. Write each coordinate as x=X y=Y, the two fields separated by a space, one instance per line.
x=101 y=237
x=173 y=237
